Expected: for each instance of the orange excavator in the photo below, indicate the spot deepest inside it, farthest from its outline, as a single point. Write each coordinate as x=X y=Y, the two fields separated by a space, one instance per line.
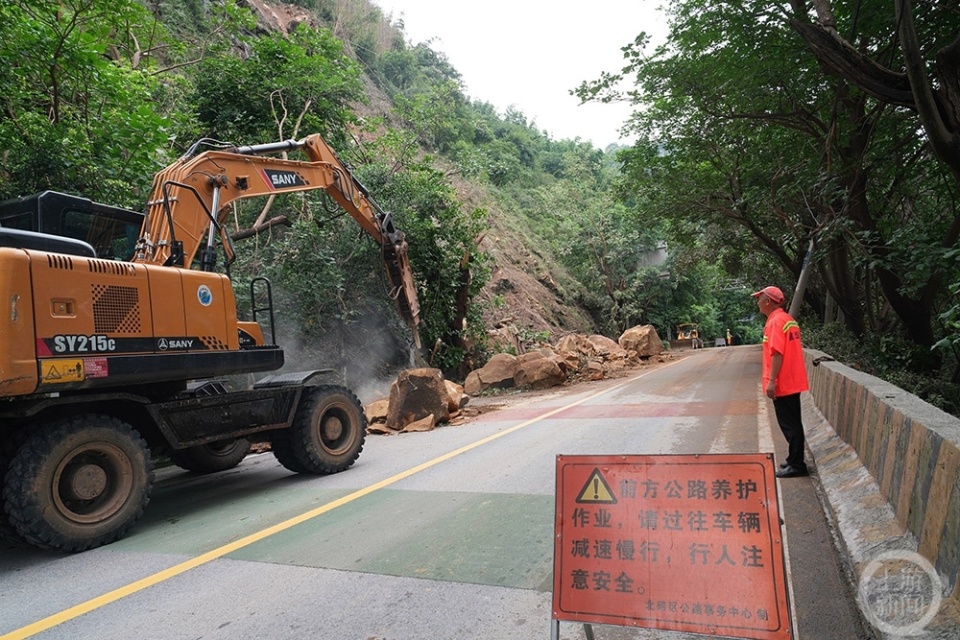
x=106 y=363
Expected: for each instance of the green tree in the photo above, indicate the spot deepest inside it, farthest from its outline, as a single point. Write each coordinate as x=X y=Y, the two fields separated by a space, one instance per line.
x=399 y=68
x=739 y=128
x=435 y=116
x=284 y=86
x=76 y=94
x=449 y=266
x=922 y=77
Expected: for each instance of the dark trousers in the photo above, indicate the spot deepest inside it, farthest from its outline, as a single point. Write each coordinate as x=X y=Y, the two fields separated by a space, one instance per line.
x=791 y=424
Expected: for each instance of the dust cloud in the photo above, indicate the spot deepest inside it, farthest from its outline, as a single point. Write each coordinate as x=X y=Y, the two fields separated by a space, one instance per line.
x=365 y=355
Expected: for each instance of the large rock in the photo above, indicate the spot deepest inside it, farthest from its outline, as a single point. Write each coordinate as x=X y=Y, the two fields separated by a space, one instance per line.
x=568 y=354
x=472 y=385
x=456 y=398
x=606 y=349
x=539 y=372
x=593 y=370
x=573 y=343
x=543 y=352
x=423 y=424
x=498 y=373
x=568 y=362
x=416 y=394
x=499 y=370
x=642 y=340
x=376 y=411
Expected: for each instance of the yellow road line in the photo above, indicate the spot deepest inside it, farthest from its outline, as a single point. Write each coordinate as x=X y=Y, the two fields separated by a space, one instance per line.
x=162 y=576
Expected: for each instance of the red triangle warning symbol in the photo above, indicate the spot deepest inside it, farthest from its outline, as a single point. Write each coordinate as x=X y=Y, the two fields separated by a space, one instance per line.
x=596 y=490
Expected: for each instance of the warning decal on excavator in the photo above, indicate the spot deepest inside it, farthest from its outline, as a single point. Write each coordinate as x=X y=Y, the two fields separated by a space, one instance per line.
x=96 y=367
x=61 y=371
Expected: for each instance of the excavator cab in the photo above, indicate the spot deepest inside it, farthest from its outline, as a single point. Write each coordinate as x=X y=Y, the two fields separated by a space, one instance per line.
x=111 y=232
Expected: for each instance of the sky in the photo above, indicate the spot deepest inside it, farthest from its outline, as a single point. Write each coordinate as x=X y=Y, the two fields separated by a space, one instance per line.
x=529 y=54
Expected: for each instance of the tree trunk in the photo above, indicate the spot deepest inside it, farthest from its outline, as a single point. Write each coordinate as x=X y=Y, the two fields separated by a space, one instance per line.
x=252 y=231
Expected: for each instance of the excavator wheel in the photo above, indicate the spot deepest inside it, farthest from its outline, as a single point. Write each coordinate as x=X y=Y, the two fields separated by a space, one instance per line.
x=78 y=483
x=327 y=433
x=9 y=445
x=213 y=457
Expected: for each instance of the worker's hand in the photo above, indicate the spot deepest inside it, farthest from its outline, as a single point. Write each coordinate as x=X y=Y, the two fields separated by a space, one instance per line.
x=772 y=389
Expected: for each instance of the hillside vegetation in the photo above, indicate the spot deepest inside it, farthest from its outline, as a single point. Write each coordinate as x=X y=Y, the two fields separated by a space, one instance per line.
x=752 y=149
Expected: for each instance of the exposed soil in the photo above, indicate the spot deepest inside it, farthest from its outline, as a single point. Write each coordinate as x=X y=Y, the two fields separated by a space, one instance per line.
x=277 y=16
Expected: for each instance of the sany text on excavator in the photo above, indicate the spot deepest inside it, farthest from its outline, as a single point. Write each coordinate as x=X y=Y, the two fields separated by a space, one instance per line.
x=106 y=363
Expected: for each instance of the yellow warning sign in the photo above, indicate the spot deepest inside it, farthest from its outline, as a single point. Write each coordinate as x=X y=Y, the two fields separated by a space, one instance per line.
x=61 y=371
x=596 y=490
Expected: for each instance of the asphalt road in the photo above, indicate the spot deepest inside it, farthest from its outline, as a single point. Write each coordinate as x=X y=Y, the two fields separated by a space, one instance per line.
x=440 y=535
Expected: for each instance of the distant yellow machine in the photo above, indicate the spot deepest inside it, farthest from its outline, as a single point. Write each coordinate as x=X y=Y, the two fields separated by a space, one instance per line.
x=688 y=335
x=688 y=331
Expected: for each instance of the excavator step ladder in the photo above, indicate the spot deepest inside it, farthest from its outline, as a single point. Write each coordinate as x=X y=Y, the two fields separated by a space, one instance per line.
x=262 y=286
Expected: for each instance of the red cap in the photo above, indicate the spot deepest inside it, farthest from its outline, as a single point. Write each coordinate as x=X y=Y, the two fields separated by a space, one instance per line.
x=771 y=292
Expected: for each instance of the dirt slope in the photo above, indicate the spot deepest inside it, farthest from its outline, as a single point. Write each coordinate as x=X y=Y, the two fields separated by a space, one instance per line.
x=528 y=294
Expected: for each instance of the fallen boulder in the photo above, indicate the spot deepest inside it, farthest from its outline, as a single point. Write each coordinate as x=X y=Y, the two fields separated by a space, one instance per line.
x=376 y=411
x=642 y=340
x=416 y=394
x=592 y=357
x=574 y=343
x=423 y=424
x=420 y=399
x=498 y=373
x=593 y=370
x=606 y=349
x=537 y=371
x=456 y=398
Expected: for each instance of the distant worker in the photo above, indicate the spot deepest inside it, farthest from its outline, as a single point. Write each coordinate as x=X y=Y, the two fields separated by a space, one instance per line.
x=729 y=338
x=784 y=376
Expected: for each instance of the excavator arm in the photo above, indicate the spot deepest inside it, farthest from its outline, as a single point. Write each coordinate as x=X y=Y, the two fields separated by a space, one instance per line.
x=190 y=198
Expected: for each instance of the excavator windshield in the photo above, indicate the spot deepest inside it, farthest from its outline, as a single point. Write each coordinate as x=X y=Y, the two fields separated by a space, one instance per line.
x=111 y=231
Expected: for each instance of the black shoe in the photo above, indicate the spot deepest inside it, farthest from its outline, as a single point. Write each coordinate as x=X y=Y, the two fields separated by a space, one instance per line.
x=784 y=465
x=790 y=471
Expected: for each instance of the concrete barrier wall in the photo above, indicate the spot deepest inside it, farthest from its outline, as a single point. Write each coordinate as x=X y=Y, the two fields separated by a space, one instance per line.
x=911 y=449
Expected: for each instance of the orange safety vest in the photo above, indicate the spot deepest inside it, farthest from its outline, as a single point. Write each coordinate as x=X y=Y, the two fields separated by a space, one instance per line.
x=781 y=335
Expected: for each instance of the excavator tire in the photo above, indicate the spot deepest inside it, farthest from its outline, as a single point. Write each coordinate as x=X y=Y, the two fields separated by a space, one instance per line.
x=9 y=445
x=327 y=433
x=213 y=457
x=78 y=483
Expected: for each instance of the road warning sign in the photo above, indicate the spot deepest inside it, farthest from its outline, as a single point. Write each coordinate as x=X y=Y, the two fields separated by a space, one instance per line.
x=681 y=543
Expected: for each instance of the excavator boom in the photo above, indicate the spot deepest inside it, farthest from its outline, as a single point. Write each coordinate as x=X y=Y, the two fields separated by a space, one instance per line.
x=190 y=198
